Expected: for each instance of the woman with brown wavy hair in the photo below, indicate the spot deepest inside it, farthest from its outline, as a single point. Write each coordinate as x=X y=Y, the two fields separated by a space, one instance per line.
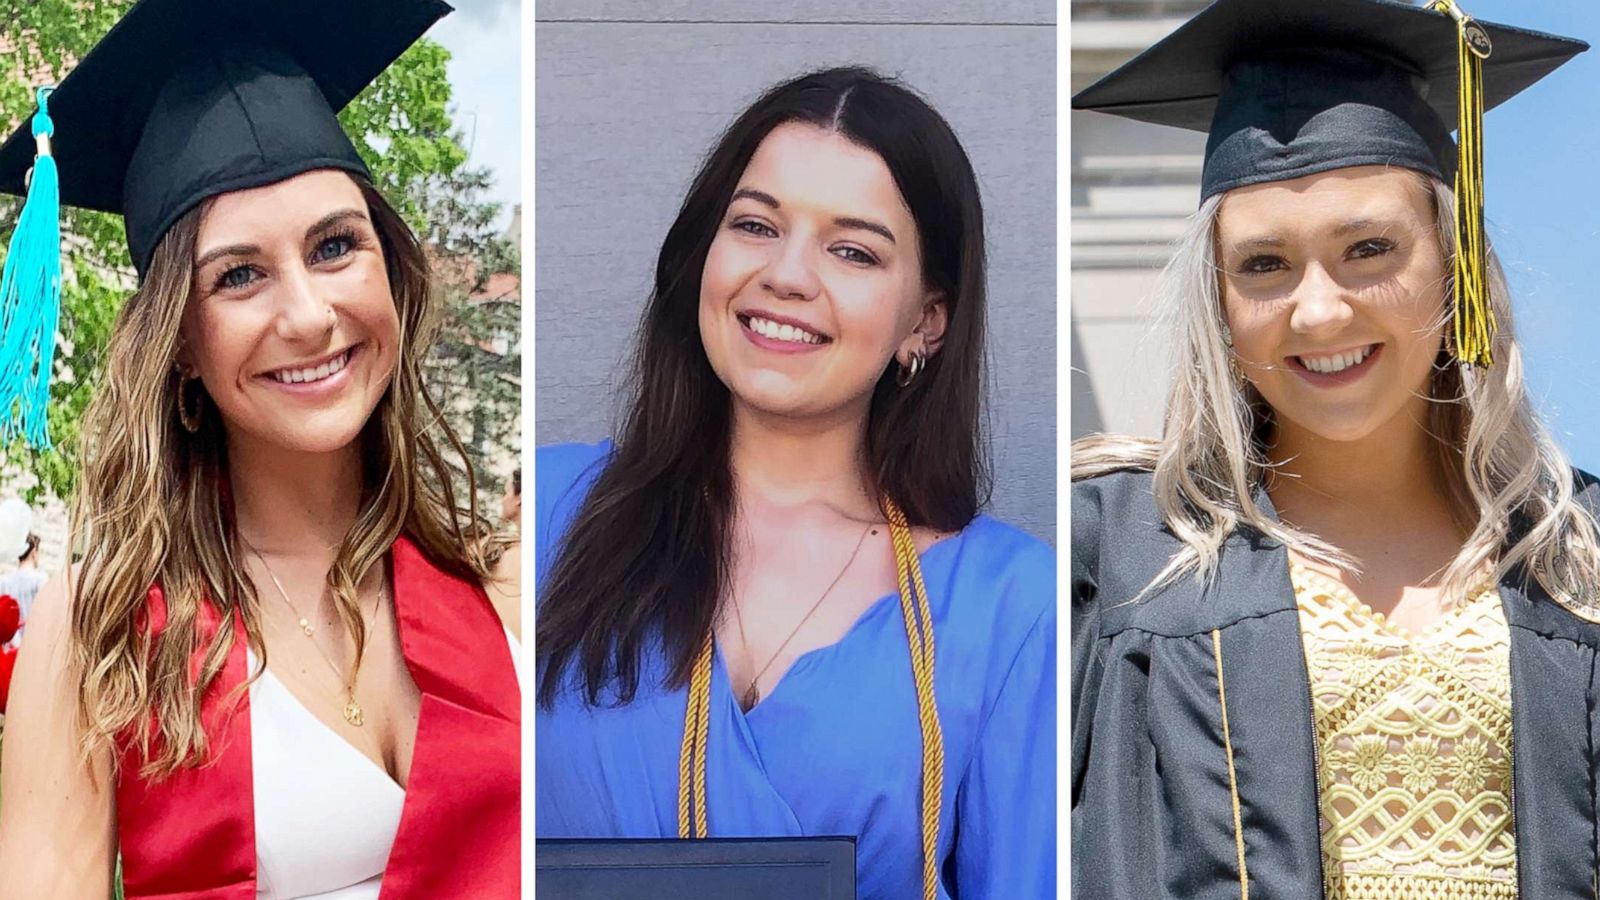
x=276 y=672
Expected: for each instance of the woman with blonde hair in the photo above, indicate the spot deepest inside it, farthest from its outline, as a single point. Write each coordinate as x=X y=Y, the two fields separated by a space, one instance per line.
x=276 y=673
x=1334 y=633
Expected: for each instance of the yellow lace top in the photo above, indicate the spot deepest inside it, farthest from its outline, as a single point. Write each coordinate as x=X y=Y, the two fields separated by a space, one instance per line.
x=1414 y=747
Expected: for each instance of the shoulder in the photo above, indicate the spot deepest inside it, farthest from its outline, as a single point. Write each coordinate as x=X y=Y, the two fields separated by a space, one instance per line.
x=563 y=475
x=995 y=559
x=558 y=464
x=1106 y=506
x=1008 y=545
x=1586 y=490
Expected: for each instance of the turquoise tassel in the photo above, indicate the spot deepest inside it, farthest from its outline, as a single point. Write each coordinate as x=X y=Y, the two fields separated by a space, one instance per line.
x=30 y=297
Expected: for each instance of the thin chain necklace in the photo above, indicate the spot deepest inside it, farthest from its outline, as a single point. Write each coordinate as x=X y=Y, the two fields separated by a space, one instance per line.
x=352 y=710
x=752 y=695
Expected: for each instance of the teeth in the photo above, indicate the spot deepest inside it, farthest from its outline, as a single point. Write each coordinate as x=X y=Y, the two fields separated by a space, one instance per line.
x=788 y=333
x=316 y=373
x=1337 y=362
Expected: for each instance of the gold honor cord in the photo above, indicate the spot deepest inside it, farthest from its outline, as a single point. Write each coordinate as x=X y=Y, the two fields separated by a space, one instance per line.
x=692 y=755
x=1474 y=317
x=919 y=635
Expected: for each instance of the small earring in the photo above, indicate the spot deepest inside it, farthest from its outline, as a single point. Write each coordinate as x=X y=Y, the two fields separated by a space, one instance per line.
x=907 y=374
x=1227 y=335
x=191 y=421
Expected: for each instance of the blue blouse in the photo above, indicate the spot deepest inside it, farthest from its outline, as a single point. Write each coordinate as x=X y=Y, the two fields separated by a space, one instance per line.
x=835 y=749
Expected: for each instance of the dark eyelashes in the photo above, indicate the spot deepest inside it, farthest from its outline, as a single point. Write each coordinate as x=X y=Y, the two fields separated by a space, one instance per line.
x=1261 y=265
x=761 y=229
x=751 y=226
x=347 y=241
x=227 y=279
x=347 y=236
x=1370 y=248
x=857 y=255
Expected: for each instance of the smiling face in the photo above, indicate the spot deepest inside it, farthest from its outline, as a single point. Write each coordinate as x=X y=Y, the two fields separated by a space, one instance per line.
x=813 y=282
x=291 y=324
x=1333 y=286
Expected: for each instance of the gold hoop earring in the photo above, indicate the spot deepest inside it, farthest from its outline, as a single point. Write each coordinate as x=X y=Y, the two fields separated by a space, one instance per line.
x=908 y=374
x=1234 y=366
x=191 y=421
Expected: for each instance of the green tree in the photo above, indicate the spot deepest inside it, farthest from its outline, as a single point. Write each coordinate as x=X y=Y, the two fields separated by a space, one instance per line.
x=475 y=368
x=401 y=125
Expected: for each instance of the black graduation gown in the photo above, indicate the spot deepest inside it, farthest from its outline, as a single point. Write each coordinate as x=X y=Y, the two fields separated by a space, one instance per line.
x=1153 y=810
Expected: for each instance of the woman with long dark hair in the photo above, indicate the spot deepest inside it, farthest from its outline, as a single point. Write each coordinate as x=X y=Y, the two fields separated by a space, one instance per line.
x=772 y=607
x=276 y=673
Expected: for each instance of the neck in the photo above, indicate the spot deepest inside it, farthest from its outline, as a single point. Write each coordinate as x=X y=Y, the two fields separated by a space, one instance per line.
x=289 y=504
x=1384 y=483
x=783 y=463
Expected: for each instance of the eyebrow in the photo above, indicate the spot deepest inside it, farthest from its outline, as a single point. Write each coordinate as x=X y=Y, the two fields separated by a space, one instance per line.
x=323 y=224
x=1257 y=243
x=1361 y=225
x=842 y=221
x=1346 y=227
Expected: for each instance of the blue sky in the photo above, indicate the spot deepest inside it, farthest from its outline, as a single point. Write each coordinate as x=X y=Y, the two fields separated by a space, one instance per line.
x=484 y=38
x=1542 y=196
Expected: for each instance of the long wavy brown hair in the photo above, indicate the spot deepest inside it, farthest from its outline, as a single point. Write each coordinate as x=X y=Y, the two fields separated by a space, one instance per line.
x=154 y=508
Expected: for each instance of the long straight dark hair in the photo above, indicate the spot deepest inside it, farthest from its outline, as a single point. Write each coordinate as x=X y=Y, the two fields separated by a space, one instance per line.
x=646 y=558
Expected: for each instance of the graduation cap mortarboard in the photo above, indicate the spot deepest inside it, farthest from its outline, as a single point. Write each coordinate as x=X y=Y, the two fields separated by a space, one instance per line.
x=1288 y=89
x=181 y=101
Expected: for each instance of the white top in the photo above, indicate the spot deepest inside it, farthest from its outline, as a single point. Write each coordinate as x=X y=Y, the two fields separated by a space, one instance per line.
x=326 y=815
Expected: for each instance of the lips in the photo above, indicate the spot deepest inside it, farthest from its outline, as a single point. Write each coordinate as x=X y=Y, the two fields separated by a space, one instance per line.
x=1334 y=363
x=1335 y=368
x=314 y=371
x=778 y=329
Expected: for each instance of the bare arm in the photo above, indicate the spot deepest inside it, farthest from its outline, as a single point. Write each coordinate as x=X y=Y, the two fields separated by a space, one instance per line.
x=57 y=815
x=505 y=589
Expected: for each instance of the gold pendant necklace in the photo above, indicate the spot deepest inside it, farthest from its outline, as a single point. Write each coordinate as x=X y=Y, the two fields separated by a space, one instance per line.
x=752 y=695
x=353 y=713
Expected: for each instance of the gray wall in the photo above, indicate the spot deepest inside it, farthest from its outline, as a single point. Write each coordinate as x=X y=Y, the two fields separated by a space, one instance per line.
x=630 y=95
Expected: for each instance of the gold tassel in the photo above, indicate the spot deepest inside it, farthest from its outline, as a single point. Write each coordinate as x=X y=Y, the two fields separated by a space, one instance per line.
x=1474 y=318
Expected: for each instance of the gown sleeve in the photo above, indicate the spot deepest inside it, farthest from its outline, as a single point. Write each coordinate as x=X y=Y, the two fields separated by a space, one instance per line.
x=1005 y=845
x=1085 y=625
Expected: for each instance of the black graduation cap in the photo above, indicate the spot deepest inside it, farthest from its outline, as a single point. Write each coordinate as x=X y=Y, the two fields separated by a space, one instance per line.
x=181 y=101
x=187 y=99
x=1288 y=88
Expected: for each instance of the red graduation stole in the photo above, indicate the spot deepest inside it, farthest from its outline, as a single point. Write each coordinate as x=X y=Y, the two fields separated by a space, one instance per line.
x=191 y=835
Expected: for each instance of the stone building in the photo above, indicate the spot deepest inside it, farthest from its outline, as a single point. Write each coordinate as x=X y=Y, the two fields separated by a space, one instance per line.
x=1133 y=185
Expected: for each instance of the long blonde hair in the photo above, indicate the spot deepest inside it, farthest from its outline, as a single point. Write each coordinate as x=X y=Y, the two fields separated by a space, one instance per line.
x=1508 y=481
x=154 y=508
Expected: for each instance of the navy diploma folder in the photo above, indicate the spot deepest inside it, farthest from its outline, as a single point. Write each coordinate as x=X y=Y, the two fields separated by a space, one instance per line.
x=816 y=868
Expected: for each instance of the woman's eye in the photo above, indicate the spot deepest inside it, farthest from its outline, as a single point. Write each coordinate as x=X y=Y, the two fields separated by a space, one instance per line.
x=1261 y=265
x=1369 y=249
x=236 y=277
x=757 y=228
x=856 y=255
x=333 y=248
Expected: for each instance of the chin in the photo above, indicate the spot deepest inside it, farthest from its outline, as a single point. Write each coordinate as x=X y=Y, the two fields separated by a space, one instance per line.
x=1339 y=427
x=325 y=432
